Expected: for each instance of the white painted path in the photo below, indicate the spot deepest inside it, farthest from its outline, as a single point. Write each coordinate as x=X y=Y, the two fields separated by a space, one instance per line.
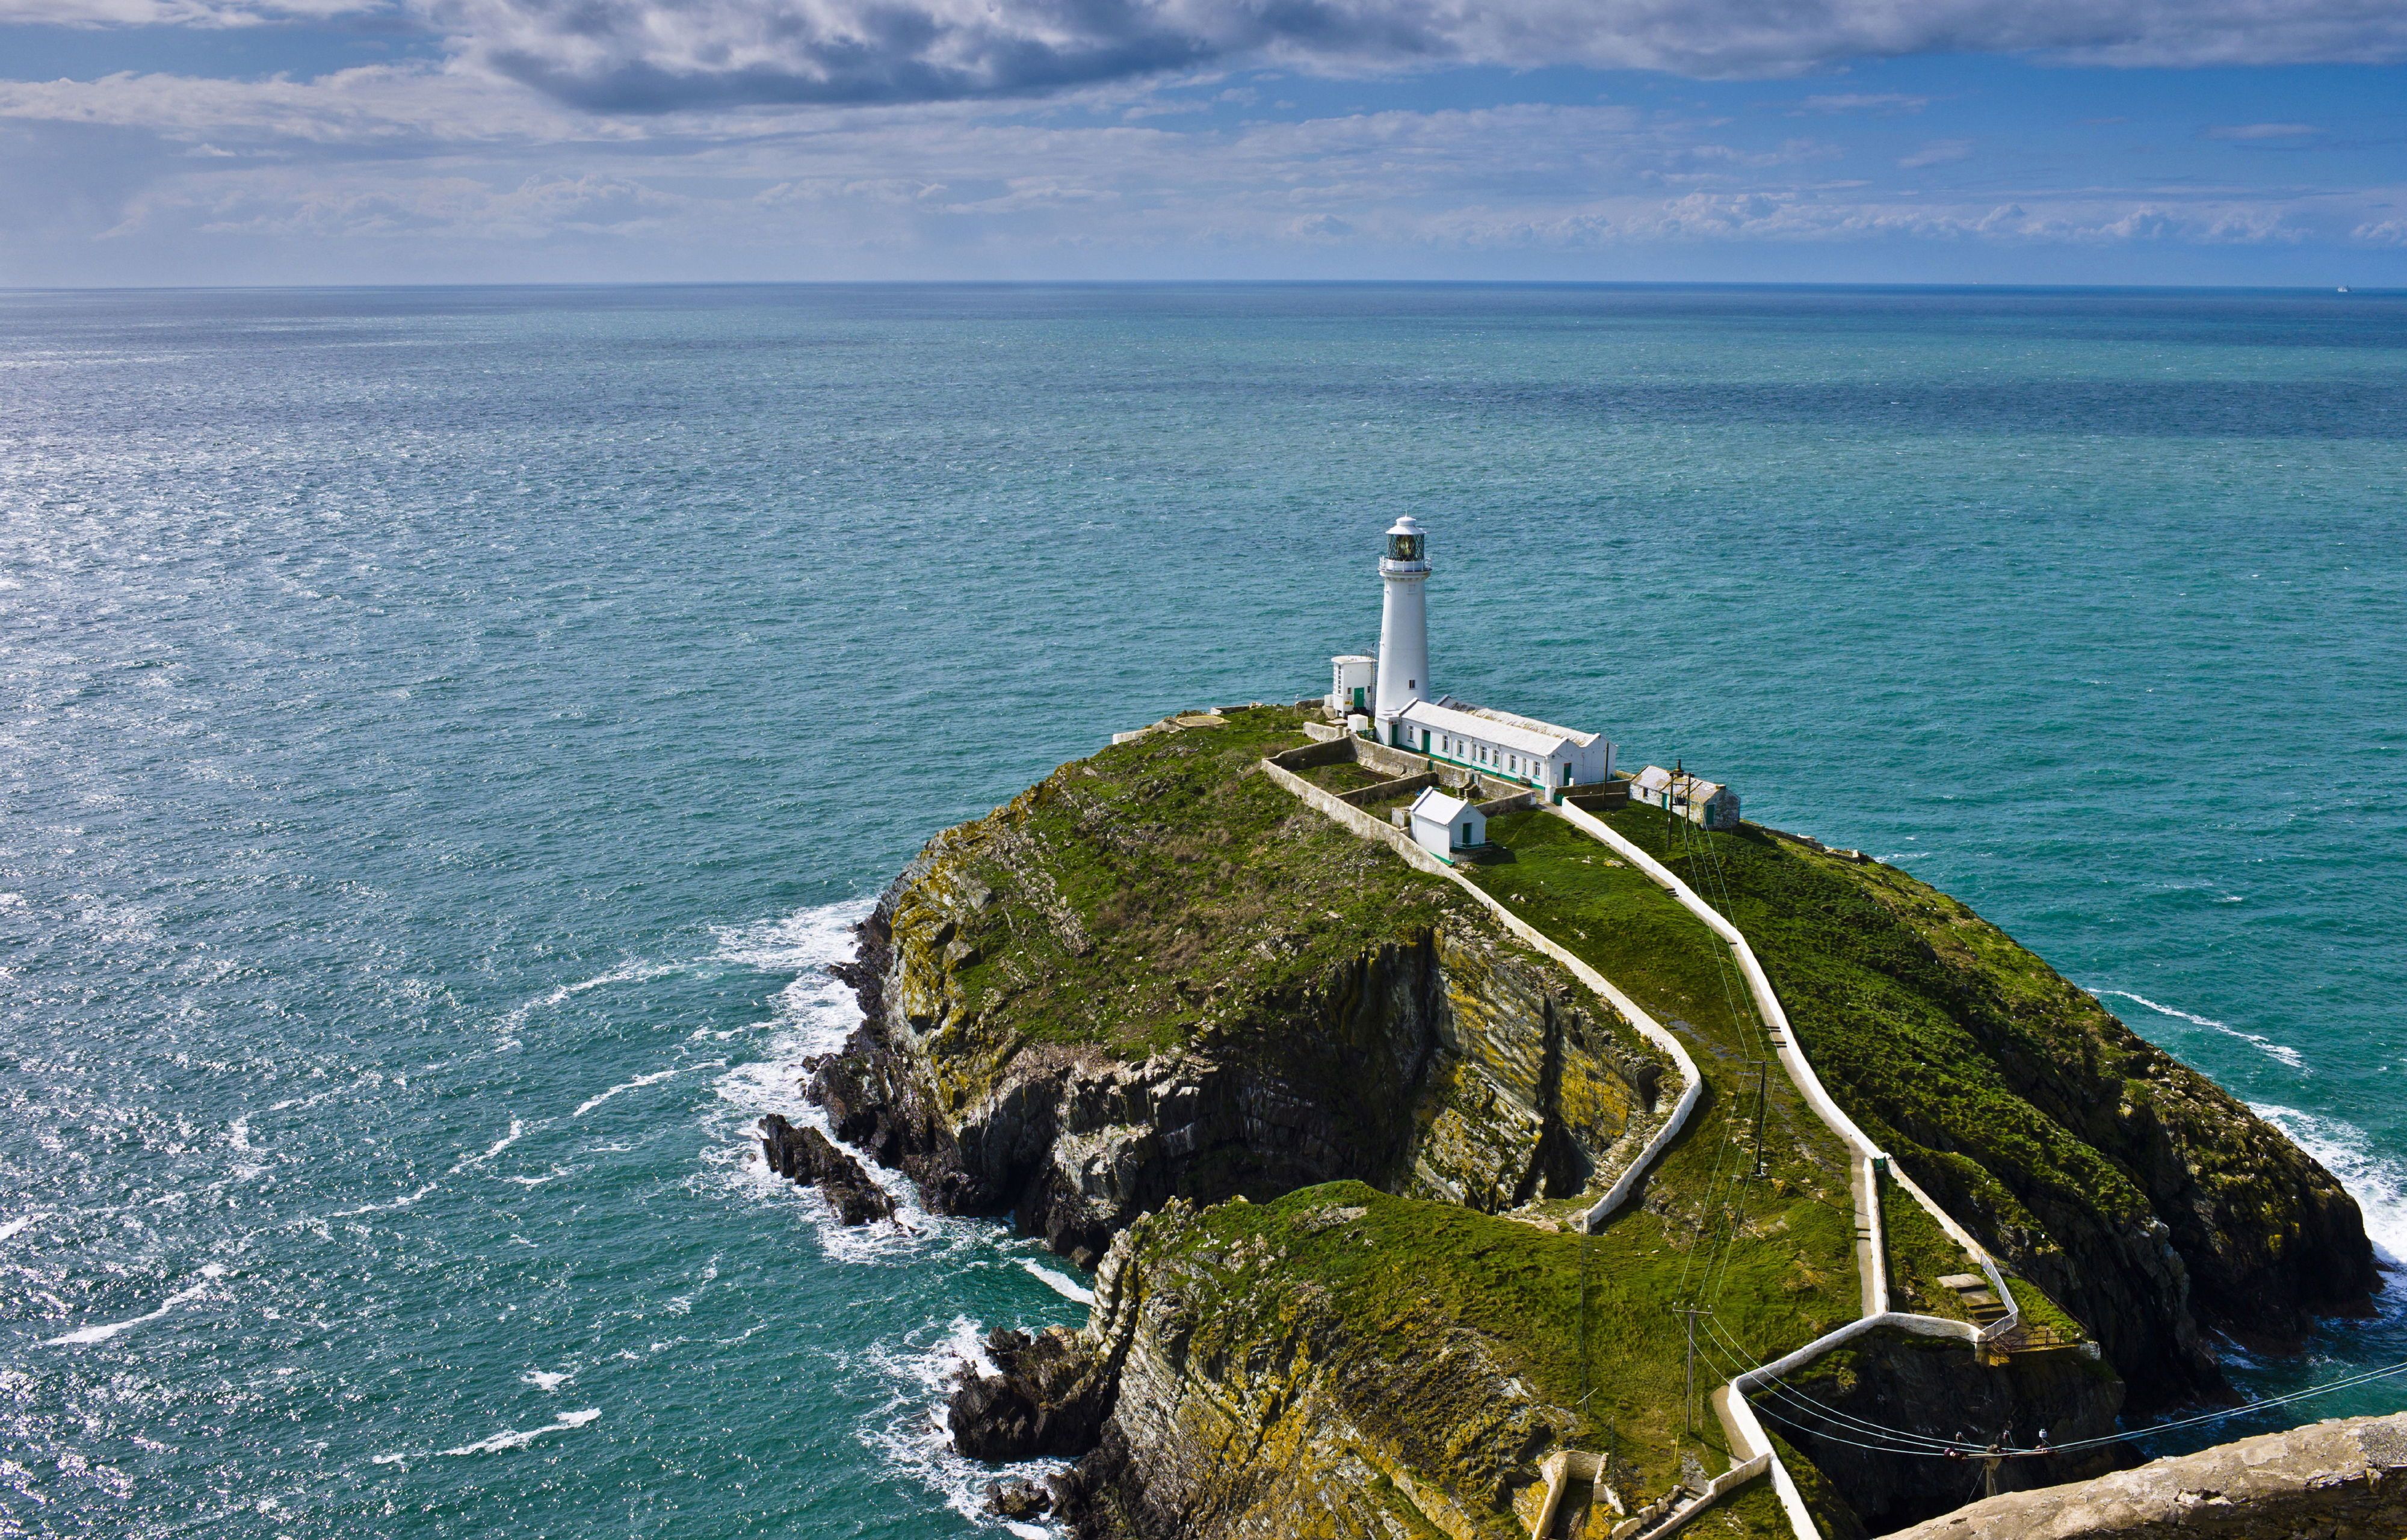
x=1749 y=1442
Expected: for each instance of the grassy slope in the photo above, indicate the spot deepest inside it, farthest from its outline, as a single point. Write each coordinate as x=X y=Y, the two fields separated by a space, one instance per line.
x=1428 y=1268
x=1878 y=1010
x=1151 y=883
x=1773 y=1259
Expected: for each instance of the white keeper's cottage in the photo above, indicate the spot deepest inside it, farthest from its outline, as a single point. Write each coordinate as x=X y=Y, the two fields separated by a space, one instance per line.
x=1392 y=693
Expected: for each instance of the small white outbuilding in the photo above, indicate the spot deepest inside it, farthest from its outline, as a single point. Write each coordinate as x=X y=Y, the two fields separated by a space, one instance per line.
x=1444 y=825
x=1691 y=797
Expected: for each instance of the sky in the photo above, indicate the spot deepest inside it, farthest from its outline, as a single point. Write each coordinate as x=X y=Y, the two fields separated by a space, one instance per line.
x=175 y=142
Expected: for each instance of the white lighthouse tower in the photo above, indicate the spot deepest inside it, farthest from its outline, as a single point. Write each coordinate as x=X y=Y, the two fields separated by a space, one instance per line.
x=1403 y=625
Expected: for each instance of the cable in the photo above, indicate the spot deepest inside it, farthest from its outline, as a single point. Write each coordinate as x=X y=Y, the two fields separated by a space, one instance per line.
x=1966 y=1451
x=1815 y=1409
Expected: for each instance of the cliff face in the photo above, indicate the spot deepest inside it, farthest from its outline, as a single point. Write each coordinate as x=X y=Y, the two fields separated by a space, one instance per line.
x=2343 y=1478
x=1254 y=1399
x=1345 y=1363
x=1156 y=982
x=1896 y=1380
x=1065 y=1025
x=2145 y=1199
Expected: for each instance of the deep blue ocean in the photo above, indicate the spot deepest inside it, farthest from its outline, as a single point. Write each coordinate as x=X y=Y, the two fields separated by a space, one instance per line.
x=443 y=733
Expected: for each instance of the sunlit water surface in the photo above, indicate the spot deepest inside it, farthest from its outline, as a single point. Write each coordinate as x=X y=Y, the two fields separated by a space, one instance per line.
x=446 y=735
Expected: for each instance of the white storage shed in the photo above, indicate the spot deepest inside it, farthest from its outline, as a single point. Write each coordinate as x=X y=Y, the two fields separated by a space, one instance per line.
x=1445 y=824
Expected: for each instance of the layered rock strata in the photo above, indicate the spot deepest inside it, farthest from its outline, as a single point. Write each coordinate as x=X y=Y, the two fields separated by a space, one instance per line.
x=2345 y=1479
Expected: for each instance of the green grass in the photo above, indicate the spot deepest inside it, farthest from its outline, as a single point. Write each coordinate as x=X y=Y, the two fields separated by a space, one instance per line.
x=1411 y=1273
x=1155 y=890
x=1772 y=1258
x=1910 y=1040
x=1920 y=1253
x=1343 y=777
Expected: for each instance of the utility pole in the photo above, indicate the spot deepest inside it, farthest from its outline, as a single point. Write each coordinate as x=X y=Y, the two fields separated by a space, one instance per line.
x=1688 y=1396
x=1762 y=1090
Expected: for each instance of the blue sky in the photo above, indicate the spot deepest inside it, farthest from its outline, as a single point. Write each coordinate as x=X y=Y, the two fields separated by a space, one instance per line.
x=1957 y=141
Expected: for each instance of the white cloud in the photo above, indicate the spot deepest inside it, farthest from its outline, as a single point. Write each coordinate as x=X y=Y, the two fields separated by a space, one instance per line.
x=2263 y=133
x=177 y=13
x=655 y=55
x=1881 y=102
x=1937 y=152
x=371 y=105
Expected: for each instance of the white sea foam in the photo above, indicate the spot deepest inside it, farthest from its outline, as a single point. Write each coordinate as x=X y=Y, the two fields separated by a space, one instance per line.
x=512 y=1021
x=87 y=1336
x=401 y=1202
x=2282 y=1052
x=22 y=1223
x=640 y=1081
x=812 y=1014
x=909 y=1431
x=512 y=1438
x=238 y=1133
x=1068 y=1288
x=546 y=1380
x=467 y=1163
x=2377 y=1182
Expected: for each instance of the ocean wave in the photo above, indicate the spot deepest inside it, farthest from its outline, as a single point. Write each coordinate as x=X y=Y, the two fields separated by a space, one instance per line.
x=512 y=1438
x=2377 y=1182
x=86 y=1336
x=1068 y=1288
x=505 y=1030
x=640 y=1081
x=812 y=1014
x=21 y=1223
x=807 y=938
x=2283 y=1053
x=517 y=1130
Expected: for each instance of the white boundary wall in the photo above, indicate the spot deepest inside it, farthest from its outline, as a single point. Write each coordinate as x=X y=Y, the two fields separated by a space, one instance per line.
x=1692 y=1084
x=1749 y=1442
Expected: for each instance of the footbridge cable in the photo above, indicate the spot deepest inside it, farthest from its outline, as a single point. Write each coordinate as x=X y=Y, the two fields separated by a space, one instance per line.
x=1883 y=1439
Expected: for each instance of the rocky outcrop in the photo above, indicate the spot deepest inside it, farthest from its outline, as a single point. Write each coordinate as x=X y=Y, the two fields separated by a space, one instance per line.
x=2344 y=1480
x=1252 y=1403
x=1417 y=1046
x=1048 y=1395
x=803 y=1156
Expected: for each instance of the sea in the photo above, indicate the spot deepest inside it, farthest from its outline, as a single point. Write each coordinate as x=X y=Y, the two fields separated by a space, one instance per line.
x=447 y=733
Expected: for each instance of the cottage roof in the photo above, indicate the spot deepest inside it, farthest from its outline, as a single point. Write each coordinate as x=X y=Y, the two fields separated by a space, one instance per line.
x=1520 y=734
x=1437 y=806
x=1684 y=786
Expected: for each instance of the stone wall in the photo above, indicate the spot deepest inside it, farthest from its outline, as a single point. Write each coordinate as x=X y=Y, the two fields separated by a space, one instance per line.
x=2335 y=1480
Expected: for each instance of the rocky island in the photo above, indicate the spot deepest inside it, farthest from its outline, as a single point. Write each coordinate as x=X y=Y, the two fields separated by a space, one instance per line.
x=1334 y=1129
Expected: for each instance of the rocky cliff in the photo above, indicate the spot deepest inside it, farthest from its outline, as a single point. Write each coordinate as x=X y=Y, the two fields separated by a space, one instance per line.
x=2338 y=1480
x=1157 y=975
x=1155 y=985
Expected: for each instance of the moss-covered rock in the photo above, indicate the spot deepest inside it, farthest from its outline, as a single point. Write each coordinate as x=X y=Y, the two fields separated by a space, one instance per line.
x=1157 y=985
x=2143 y=1197
x=1155 y=974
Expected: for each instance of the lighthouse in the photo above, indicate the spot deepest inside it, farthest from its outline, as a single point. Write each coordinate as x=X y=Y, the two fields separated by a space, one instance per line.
x=1403 y=625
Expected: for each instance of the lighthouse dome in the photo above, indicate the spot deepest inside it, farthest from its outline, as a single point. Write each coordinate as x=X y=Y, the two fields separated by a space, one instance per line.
x=1406 y=541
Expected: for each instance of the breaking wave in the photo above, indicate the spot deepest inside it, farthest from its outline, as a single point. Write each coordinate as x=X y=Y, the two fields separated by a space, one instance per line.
x=2375 y=1181
x=2284 y=1053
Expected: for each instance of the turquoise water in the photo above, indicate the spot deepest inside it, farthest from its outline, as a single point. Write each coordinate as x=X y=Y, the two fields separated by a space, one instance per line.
x=445 y=732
